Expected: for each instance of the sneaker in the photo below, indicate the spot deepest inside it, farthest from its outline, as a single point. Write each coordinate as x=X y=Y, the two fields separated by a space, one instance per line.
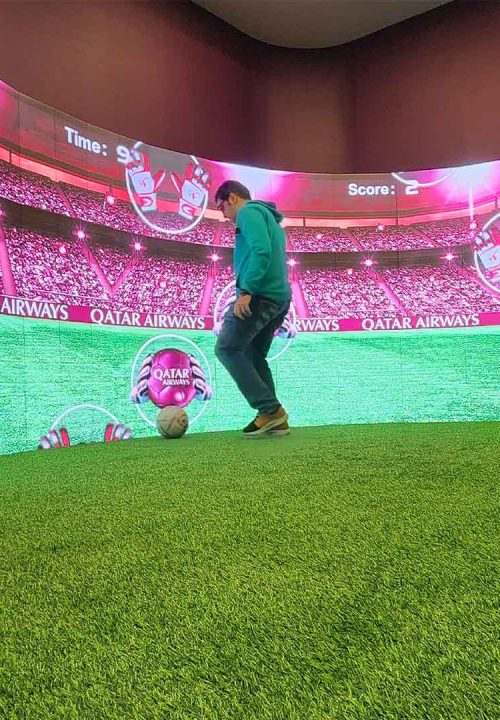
x=283 y=429
x=263 y=424
x=251 y=426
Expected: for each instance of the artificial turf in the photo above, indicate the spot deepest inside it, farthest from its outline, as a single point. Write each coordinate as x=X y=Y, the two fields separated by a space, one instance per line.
x=343 y=572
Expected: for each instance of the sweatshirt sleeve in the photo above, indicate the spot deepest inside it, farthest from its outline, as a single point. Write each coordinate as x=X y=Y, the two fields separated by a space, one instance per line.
x=254 y=228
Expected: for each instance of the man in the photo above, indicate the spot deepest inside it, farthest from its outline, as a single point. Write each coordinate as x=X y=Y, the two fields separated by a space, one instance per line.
x=263 y=298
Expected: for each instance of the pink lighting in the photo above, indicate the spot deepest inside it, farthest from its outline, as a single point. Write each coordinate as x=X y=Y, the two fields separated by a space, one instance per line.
x=349 y=271
x=80 y=235
x=380 y=227
x=62 y=249
x=449 y=256
x=110 y=199
x=260 y=182
x=368 y=262
x=137 y=246
x=292 y=262
x=214 y=257
x=319 y=236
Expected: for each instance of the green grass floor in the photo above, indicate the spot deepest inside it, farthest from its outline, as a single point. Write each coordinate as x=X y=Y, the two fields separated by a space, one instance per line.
x=340 y=573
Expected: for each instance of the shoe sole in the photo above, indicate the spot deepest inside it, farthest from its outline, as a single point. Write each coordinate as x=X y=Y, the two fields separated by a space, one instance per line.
x=279 y=433
x=268 y=434
x=268 y=428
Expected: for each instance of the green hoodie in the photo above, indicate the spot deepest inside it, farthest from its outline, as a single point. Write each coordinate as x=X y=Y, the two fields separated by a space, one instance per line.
x=259 y=257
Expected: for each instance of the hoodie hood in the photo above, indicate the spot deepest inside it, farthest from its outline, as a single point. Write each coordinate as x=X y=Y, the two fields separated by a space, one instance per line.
x=269 y=206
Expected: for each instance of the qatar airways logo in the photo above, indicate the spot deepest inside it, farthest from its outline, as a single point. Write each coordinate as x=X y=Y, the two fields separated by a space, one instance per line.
x=172 y=376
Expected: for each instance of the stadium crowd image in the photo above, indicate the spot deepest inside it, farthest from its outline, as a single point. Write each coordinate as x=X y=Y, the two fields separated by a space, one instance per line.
x=270 y=242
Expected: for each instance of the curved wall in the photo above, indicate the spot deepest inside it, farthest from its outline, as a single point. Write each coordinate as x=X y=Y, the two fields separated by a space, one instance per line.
x=423 y=93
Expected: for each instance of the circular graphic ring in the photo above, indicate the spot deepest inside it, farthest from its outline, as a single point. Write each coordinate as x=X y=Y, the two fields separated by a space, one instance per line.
x=158 y=228
x=479 y=269
x=226 y=302
x=134 y=365
x=416 y=183
x=79 y=407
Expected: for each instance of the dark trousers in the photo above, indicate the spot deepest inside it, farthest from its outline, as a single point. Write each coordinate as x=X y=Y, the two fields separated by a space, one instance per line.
x=242 y=347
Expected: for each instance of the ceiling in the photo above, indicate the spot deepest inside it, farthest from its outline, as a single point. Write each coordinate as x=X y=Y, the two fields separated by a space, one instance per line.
x=314 y=23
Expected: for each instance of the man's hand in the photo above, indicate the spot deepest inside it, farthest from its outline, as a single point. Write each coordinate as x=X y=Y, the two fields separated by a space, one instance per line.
x=242 y=307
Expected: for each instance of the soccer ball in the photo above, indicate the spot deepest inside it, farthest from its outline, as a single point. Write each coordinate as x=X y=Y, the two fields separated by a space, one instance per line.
x=172 y=422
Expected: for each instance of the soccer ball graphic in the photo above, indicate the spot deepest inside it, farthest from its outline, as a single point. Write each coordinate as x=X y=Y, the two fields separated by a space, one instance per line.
x=170 y=377
x=171 y=380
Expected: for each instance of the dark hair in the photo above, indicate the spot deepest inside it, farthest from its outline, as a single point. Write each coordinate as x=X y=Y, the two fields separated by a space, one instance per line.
x=232 y=186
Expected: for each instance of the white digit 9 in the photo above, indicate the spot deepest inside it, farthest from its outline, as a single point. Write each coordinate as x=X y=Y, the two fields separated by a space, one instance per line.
x=123 y=154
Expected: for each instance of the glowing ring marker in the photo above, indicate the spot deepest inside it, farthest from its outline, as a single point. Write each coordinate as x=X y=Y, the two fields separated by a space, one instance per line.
x=79 y=407
x=486 y=225
x=221 y=295
x=416 y=183
x=164 y=231
x=141 y=349
x=218 y=302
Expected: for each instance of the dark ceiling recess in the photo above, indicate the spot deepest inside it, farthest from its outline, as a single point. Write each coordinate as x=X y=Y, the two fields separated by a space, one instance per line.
x=314 y=23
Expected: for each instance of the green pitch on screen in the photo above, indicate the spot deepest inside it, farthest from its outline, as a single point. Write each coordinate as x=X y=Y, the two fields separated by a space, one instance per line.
x=47 y=367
